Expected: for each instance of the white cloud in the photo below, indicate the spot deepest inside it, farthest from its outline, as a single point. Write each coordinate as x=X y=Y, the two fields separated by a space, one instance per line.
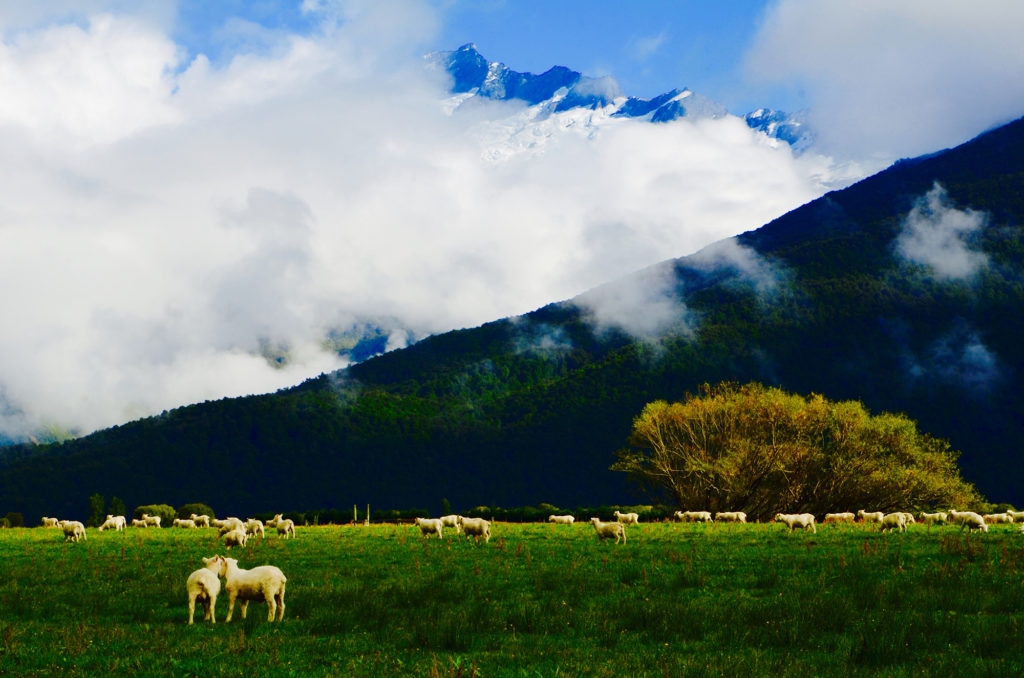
x=898 y=78
x=171 y=224
x=643 y=48
x=935 y=234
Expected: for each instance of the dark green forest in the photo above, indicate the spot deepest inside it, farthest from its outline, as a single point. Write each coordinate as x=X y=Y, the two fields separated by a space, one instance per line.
x=533 y=409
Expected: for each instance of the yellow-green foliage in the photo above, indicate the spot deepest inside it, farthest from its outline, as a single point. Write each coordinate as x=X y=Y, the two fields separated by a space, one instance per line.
x=762 y=450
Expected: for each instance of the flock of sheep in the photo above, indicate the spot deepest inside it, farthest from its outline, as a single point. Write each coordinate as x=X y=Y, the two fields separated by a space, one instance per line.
x=234 y=531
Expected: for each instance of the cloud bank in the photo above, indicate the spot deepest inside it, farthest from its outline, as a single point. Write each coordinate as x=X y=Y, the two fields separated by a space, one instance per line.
x=936 y=235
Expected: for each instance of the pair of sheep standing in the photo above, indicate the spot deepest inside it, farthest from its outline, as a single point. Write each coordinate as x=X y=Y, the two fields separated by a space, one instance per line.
x=615 y=530
x=471 y=527
x=265 y=582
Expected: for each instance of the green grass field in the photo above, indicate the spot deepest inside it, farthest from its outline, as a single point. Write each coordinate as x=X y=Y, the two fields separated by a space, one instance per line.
x=539 y=600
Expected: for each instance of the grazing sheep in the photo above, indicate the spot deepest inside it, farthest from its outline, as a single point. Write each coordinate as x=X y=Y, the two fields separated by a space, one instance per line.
x=694 y=516
x=909 y=517
x=795 y=520
x=73 y=530
x=50 y=522
x=561 y=520
x=1017 y=516
x=451 y=521
x=996 y=518
x=116 y=523
x=429 y=526
x=200 y=519
x=870 y=517
x=846 y=517
x=730 y=517
x=139 y=522
x=151 y=521
x=204 y=585
x=476 y=528
x=627 y=518
x=894 y=521
x=186 y=523
x=286 y=526
x=604 y=531
x=265 y=582
x=236 y=537
x=937 y=518
x=228 y=525
x=968 y=520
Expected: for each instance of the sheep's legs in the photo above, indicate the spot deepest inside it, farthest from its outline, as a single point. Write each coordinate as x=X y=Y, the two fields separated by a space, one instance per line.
x=191 y=608
x=280 y=605
x=231 y=606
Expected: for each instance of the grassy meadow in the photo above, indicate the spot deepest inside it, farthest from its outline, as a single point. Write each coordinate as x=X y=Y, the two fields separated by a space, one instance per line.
x=539 y=600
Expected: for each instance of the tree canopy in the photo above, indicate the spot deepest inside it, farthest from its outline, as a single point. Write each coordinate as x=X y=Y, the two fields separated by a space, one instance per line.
x=761 y=450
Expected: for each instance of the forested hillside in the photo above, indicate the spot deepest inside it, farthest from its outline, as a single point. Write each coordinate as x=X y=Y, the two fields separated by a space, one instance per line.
x=904 y=291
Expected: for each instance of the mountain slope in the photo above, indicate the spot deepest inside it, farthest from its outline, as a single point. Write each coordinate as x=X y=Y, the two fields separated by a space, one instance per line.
x=838 y=297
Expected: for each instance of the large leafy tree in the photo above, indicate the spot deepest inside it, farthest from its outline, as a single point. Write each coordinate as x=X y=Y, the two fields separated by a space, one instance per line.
x=762 y=450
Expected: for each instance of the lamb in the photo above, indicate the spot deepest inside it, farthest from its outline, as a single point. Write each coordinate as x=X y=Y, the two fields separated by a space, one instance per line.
x=604 y=531
x=451 y=521
x=273 y=521
x=50 y=522
x=236 y=537
x=995 y=518
x=429 y=526
x=936 y=518
x=229 y=525
x=139 y=522
x=476 y=528
x=254 y=527
x=909 y=517
x=200 y=519
x=286 y=526
x=265 y=582
x=627 y=518
x=186 y=523
x=204 y=585
x=561 y=520
x=968 y=520
x=870 y=517
x=73 y=530
x=894 y=521
x=795 y=520
x=694 y=516
x=153 y=521
x=731 y=517
x=845 y=517
x=1018 y=516
x=116 y=523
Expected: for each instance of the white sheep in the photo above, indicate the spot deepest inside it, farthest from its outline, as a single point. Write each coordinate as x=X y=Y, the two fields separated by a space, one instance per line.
x=795 y=520
x=1018 y=516
x=845 y=517
x=186 y=523
x=254 y=527
x=476 y=528
x=200 y=519
x=561 y=520
x=695 y=516
x=286 y=526
x=730 y=517
x=451 y=521
x=968 y=520
x=273 y=521
x=139 y=522
x=116 y=523
x=909 y=518
x=229 y=525
x=616 y=530
x=894 y=521
x=627 y=518
x=936 y=518
x=236 y=537
x=73 y=530
x=997 y=518
x=429 y=526
x=50 y=522
x=265 y=582
x=151 y=521
x=870 y=516
x=204 y=585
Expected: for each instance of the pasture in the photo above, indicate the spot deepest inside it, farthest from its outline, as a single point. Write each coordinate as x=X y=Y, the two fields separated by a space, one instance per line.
x=539 y=600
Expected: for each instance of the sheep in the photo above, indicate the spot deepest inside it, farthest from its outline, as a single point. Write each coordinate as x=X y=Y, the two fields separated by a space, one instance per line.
x=50 y=522
x=968 y=520
x=273 y=521
x=204 y=585
x=476 y=528
x=604 y=531
x=730 y=517
x=795 y=520
x=265 y=582
x=139 y=522
x=995 y=518
x=936 y=518
x=236 y=537
x=845 y=517
x=254 y=527
x=116 y=523
x=561 y=520
x=73 y=530
x=200 y=519
x=229 y=525
x=451 y=521
x=627 y=518
x=1017 y=516
x=870 y=517
x=186 y=523
x=286 y=526
x=429 y=526
x=153 y=521
x=694 y=516
x=894 y=521
x=909 y=517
